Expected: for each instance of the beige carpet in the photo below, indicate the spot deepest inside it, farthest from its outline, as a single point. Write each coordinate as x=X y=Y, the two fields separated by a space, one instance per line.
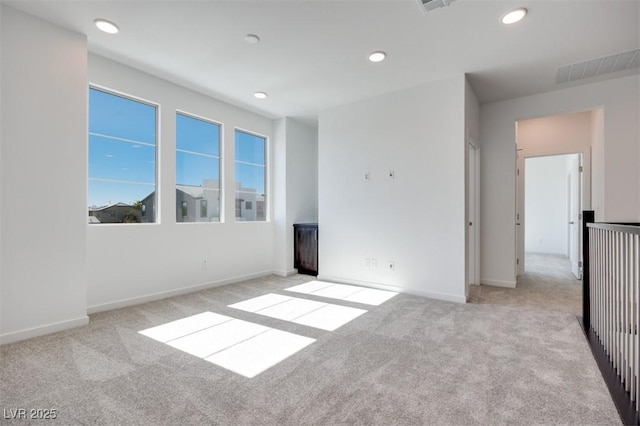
x=547 y=283
x=409 y=361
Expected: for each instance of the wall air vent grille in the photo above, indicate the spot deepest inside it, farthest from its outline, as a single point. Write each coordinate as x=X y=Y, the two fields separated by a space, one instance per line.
x=428 y=5
x=599 y=66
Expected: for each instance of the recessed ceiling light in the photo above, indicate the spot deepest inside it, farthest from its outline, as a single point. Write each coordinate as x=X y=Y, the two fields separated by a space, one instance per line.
x=260 y=95
x=377 y=56
x=252 y=39
x=106 y=26
x=514 y=16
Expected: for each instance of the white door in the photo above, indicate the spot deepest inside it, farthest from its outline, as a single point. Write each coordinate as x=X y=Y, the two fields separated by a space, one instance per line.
x=575 y=226
x=519 y=260
x=472 y=214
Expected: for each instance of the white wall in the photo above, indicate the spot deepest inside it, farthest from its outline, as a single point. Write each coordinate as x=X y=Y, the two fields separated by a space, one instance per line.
x=132 y=263
x=1 y=162
x=296 y=175
x=416 y=220
x=280 y=242
x=617 y=164
x=302 y=178
x=547 y=205
x=598 y=164
x=471 y=114
x=43 y=177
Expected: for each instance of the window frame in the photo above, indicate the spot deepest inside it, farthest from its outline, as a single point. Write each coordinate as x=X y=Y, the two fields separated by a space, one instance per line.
x=267 y=173
x=158 y=142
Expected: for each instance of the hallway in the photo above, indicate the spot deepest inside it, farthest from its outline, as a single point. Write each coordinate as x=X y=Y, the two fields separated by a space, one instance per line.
x=547 y=283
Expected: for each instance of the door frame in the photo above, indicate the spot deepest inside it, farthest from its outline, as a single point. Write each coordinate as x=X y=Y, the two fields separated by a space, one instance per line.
x=575 y=233
x=585 y=195
x=473 y=213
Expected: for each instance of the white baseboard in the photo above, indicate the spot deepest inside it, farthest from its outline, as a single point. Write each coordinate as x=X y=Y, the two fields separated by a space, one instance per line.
x=416 y=292
x=29 y=333
x=498 y=283
x=285 y=274
x=123 y=303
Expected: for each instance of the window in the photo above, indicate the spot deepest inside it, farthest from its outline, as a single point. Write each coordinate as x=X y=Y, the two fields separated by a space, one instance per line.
x=197 y=168
x=203 y=208
x=239 y=207
x=122 y=158
x=251 y=174
x=184 y=210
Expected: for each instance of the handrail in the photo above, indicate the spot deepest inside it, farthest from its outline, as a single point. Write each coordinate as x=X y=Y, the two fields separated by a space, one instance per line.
x=627 y=228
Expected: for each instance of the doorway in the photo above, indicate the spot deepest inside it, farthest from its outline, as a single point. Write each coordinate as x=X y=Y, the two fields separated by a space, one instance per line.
x=551 y=219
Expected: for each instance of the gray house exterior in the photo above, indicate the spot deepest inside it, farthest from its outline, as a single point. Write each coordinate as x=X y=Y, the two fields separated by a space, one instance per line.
x=114 y=213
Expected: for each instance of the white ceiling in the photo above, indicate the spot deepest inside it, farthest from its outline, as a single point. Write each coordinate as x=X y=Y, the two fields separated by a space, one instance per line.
x=313 y=54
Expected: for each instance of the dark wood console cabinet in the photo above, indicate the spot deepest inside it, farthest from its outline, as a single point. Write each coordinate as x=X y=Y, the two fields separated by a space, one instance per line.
x=305 y=248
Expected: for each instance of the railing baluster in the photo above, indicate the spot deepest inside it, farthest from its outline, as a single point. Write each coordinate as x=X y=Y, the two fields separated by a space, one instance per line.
x=618 y=302
x=593 y=278
x=625 y=310
x=598 y=274
x=609 y=268
x=636 y=322
x=612 y=283
x=611 y=304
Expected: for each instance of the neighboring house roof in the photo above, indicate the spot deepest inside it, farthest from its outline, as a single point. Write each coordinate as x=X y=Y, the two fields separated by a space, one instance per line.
x=97 y=209
x=194 y=191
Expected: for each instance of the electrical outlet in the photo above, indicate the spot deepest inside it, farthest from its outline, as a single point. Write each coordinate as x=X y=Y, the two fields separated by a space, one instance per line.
x=367 y=176
x=392 y=174
x=204 y=265
x=374 y=263
x=390 y=266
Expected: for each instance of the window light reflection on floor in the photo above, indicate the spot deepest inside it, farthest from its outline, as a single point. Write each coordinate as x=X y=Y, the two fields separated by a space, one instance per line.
x=249 y=349
x=351 y=293
x=240 y=346
x=324 y=316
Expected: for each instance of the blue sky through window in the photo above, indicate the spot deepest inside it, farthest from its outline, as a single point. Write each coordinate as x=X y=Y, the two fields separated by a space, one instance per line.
x=123 y=143
x=250 y=161
x=197 y=151
x=122 y=149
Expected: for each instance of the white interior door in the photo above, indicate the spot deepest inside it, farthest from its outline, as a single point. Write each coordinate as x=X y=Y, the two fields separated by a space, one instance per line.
x=472 y=214
x=575 y=227
x=519 y=260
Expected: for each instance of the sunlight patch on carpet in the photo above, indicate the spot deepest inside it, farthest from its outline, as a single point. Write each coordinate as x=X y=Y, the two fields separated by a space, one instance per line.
x=239 y=346
x=324 y=316
x=350 y=293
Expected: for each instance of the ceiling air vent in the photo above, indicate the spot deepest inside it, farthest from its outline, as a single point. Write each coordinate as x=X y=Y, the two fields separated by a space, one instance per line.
x=428 y=5
x=599 y=66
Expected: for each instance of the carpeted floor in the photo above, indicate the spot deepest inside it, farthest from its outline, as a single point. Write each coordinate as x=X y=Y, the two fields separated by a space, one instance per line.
x=511 y=357
x=547 y=283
